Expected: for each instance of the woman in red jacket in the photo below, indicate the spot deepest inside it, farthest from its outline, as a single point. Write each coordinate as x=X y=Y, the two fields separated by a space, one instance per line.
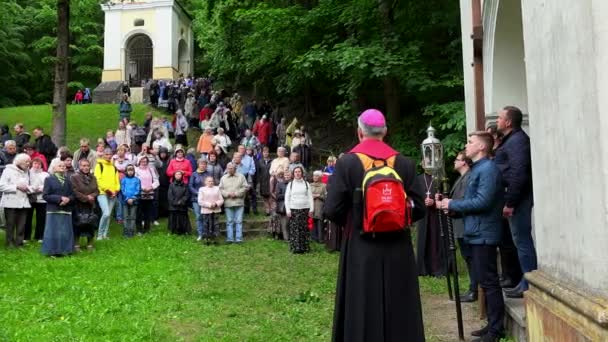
x=179 y=163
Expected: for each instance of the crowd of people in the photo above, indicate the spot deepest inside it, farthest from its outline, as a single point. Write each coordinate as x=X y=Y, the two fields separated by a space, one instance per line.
x=137 y=174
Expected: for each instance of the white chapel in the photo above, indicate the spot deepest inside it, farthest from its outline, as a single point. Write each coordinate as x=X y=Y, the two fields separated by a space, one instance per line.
x=144 y=40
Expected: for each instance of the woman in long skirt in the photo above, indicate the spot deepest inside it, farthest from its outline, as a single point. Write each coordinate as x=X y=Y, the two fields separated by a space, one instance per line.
x=299 y=207
x=58 y=235
x=179 y=196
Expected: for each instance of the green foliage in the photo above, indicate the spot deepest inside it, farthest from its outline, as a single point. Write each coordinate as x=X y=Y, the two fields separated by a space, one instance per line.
x=338 y=54
x=32 y=43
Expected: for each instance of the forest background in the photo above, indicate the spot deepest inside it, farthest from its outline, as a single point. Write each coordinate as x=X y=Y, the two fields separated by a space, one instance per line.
x=327 y=58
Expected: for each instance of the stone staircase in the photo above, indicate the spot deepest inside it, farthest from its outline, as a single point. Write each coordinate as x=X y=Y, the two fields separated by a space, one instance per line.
x=515 y=319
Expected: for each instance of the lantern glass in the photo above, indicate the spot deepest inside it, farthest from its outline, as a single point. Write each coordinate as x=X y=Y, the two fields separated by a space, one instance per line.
x=432 y=152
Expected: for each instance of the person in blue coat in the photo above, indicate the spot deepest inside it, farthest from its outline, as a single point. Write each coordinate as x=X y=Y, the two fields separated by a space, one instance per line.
x=130 y=187
x=125 y=108
x=482 y=210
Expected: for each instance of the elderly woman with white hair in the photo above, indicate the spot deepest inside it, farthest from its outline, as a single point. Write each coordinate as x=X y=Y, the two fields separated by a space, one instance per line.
x=14 y=185
x=59 y=196
x=222 y=139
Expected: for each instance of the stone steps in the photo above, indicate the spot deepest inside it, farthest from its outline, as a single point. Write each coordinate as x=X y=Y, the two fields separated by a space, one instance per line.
x=515 y=319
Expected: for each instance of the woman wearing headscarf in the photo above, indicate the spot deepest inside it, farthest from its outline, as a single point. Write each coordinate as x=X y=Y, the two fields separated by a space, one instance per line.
x=58 y=232
x=85 y=220
x=14 y=185
x=299 y=206
x=37 y=177
x=180 y=163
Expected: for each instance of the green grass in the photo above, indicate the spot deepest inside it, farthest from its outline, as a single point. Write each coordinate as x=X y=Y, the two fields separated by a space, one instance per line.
x=90 y=121
x=162 y=287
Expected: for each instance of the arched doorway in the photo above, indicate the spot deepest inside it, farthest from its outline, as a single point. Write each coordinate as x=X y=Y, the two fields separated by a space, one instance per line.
x=507 y=77
x=139 y=59
x=183 y=58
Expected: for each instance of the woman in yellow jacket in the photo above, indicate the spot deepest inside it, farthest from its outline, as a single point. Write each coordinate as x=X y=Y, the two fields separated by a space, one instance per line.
x=293 y=126
x=109 y=186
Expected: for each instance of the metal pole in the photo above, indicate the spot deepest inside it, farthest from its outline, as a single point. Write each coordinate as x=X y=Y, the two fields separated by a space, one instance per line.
x=444 y=244
x=452 y=245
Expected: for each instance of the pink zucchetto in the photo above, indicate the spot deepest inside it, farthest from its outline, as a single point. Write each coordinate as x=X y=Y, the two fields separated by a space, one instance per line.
x=372 y=118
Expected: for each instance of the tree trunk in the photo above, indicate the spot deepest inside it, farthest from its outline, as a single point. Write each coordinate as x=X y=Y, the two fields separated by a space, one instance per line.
x=61 y=73
x=391 y=84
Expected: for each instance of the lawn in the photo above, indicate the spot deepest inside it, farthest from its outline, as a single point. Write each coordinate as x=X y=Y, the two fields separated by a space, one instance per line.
x=90 y=121
x=166 y=288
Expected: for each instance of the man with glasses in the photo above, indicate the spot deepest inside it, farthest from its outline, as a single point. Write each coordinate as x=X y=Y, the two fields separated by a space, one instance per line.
x=84 y=152
x=462 y=165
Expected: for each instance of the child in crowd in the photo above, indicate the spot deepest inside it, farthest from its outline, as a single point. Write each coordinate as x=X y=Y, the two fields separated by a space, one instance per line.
x=130 y=188
x=319 y=193
x=210 y=199
x=111 y=141
x=178 y=205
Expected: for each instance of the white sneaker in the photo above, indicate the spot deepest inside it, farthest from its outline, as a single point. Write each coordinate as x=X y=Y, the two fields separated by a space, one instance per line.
x=199 y=238
x=156 y=223
x=39 y=241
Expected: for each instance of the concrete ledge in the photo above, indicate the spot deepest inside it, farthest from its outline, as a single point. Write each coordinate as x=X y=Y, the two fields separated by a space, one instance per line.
x=557 y=312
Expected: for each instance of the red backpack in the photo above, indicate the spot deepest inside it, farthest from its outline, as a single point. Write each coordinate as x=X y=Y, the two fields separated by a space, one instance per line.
x=386 y=207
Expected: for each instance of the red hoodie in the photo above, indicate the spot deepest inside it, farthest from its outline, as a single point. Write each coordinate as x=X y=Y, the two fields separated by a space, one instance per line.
x=205 y=114
x=37 y=154
x=183 y=165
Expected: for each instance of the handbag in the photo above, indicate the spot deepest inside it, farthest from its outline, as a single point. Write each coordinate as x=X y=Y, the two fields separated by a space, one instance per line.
x=86 y=218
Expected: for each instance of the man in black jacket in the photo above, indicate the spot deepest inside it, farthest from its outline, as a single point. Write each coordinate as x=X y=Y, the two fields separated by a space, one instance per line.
x=513 y=159
x=21 y=136
x=44 y=144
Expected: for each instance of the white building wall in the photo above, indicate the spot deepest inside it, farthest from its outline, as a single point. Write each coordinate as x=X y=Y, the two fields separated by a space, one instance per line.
x=566 y=45
x=163 y=56
x=466 y=22
x=112 y=41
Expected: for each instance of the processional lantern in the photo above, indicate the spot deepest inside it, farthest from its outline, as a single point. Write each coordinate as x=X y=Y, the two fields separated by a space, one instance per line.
x=432 y=153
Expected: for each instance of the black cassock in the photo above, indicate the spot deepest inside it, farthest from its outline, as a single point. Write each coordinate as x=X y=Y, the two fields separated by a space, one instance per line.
x=377 y=296
x=430 y=253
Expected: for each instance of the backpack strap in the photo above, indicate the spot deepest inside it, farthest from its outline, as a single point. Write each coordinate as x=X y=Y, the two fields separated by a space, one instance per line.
x=369 y=162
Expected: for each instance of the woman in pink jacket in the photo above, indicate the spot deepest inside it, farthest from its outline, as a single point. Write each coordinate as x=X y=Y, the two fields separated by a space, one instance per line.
x=210 y=199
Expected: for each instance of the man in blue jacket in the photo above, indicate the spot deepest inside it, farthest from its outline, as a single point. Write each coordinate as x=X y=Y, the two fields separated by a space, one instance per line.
x=513 y=160
x=482 y=210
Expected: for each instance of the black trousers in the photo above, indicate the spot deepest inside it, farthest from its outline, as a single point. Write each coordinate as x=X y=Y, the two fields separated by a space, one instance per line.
x=509 y=261
x=40 y=209
x=15 y=226
x=467 y=255
x=146 y=213
x=486 y=269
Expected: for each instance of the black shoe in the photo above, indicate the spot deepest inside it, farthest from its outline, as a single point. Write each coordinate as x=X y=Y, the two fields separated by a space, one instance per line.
x=481 y=332
x=514 y=294
x=469 y=297
x=514 y=290
x=487 y=338
x=507 y=283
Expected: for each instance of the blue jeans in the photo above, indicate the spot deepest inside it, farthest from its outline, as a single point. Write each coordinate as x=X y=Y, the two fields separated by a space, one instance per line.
x=234 y=216
x=106 y=204
x=521 y=230
x=120 y=207
x=197 y=218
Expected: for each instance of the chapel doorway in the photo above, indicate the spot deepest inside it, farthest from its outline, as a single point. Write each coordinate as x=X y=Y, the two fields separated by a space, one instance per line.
x=139 y=60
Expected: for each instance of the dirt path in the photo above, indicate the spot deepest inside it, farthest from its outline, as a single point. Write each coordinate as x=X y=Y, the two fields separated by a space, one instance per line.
x=440 y=318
